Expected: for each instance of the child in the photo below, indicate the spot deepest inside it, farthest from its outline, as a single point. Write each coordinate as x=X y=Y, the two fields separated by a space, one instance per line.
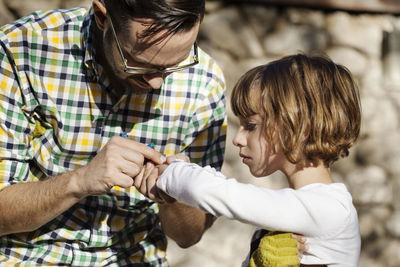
x=298 y=115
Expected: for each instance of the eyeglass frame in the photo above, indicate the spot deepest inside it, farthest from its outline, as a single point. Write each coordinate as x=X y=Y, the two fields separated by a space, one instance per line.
x=144 y=71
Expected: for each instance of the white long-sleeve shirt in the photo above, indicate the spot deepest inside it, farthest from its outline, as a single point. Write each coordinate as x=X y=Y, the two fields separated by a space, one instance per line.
x=324 y=213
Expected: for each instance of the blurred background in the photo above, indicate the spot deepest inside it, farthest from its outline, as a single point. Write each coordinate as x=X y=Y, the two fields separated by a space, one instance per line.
x=363 y=35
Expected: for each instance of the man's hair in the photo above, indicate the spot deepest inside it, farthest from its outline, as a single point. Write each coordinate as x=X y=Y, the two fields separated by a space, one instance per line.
x=310 y=103
x=172 y=16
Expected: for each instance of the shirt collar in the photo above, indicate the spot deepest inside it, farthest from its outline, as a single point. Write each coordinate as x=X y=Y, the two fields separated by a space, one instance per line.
x=95 y=71
x=88 y=39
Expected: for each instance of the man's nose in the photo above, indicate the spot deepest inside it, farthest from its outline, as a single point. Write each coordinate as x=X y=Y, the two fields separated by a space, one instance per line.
x=155 y=80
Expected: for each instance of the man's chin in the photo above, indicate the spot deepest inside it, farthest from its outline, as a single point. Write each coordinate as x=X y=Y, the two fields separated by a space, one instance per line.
x=138 y=86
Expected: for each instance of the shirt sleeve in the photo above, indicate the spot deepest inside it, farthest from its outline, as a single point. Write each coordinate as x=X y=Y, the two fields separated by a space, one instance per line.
x=15 y=126
x=208 y=124
x=284 y=210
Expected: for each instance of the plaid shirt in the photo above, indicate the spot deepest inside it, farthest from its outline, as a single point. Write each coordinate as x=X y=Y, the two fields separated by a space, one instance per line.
x=58 y=110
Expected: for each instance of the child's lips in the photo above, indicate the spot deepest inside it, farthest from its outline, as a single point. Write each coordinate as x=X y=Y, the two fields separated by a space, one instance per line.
x=245 y=158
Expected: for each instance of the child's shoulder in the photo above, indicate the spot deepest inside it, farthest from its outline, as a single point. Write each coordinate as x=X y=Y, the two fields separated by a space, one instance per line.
x=333 y=205
x=334 y=194
x=333 y=187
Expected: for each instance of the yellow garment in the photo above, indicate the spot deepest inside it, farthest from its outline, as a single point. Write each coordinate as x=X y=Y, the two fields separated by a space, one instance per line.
x=275 y=250
x=39 y=129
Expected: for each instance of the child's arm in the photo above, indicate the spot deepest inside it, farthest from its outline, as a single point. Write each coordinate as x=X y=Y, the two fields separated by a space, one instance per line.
x=208 y=190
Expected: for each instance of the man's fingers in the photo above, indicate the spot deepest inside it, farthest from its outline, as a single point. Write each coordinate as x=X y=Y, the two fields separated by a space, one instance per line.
x=124 y=181
x=134 y=151
x=137 y=182
x=129 y=168
x=146 y=151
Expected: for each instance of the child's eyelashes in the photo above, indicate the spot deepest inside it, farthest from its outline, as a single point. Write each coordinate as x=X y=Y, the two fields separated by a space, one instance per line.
x=250 y=123
x=249 y=126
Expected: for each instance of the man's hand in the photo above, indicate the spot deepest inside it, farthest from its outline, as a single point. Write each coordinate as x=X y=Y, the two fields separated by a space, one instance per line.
x=117 y=164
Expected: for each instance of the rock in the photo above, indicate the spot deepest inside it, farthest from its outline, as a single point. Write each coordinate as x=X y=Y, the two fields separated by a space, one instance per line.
x=232 y=33
x=393 y=224
x=391 y=59
x=372 y=79
x=379 y=117
x=360 y=32
x=260 y=18
x=391 y=253
x=351 y=58
x=75 y=3
x=372 y=218
x=306 y=16
x=369 y=185
x=24 y=7
x=289 y=39
x=386 y=157
x=366 y=260
x=213 y=6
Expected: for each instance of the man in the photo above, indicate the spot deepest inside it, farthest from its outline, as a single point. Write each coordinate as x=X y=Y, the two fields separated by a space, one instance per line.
x=72 y=83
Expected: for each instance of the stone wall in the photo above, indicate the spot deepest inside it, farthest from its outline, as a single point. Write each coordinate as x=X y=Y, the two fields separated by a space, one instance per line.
x=242 y=36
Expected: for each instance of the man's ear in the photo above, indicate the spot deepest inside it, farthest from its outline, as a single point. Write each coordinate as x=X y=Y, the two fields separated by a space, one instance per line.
x=100 y=14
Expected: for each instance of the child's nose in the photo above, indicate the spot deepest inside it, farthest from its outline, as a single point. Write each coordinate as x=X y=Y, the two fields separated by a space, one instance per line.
x=239 y=140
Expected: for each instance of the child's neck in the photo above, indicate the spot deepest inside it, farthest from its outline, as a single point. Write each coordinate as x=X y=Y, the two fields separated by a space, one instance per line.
x=312 y=173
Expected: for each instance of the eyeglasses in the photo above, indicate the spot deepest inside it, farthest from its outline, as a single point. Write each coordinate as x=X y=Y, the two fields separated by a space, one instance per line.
x=144 y=71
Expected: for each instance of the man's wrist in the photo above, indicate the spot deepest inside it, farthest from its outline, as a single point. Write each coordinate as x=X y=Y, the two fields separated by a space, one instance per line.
x=74 y=186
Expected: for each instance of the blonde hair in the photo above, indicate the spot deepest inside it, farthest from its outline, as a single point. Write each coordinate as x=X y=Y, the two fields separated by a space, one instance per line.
x=309 y=102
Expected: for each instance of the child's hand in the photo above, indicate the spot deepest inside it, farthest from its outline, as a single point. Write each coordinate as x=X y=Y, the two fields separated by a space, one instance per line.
x=161 y=168
x=145 y=182
x=276 y=249
x=170 y=159
x=301 y=244
x=183 y=157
